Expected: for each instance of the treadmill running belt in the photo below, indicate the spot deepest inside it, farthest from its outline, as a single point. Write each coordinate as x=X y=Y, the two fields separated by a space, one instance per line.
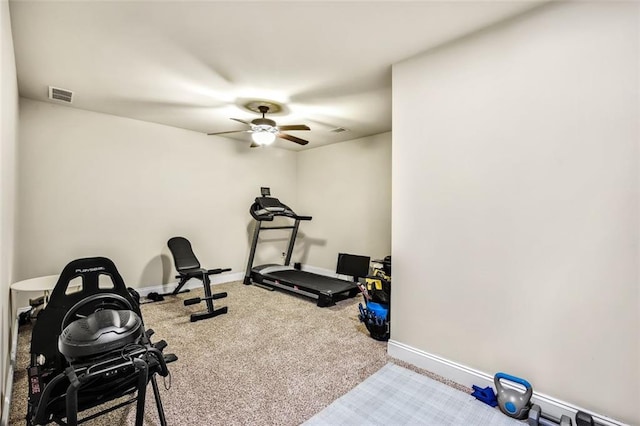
x=320 y=283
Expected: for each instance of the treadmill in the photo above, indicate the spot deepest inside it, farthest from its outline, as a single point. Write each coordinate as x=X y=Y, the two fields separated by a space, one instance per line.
x=323 y=288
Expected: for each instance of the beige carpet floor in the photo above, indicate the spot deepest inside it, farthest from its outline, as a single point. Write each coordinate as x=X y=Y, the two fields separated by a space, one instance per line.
x=274 y=359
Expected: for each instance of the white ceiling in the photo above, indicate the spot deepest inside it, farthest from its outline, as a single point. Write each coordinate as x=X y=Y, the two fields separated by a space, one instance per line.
x=192 y=64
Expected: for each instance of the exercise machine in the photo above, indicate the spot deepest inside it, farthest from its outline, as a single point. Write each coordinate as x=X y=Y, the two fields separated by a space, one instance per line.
x=188 y=267
x=325 y=289
x=90 y=347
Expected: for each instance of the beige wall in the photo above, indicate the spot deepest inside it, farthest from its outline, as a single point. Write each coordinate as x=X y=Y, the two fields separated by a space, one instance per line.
x=8 y=142
x=346 y=187
x=95 y=184
x=515 y=203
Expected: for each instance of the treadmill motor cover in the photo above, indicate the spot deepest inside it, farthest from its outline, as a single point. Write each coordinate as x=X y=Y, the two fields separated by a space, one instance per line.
x=98 y=333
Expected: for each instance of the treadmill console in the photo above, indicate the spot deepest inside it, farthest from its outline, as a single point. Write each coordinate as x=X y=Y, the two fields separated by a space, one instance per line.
x=266 y=208
x=270 y=204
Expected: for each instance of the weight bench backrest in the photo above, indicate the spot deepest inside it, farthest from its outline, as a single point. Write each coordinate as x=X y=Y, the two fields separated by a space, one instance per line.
x=183 y=257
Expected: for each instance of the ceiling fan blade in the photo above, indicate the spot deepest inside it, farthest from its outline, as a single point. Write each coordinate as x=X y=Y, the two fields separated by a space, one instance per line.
x=292 y=138
x=294 y=127
x=241 y=121
x=254 y=145
x=230 y=131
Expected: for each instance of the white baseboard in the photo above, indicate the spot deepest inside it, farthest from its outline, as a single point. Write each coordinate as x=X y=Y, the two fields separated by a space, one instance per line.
x=165 y=288
x=191 y=284
x=319 y=271
x=325 y=272
x=13 y=355
x=468 y=376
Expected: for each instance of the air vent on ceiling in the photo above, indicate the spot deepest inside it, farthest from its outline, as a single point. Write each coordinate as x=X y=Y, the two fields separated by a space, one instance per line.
x=62 y=95
x=339 y=130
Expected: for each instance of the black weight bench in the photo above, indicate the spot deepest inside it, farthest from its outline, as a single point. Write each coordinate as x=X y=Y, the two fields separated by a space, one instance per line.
x=188 y=267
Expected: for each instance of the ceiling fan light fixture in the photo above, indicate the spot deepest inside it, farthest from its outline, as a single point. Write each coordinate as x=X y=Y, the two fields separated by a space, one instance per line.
x=263 y=137
x=264 y=131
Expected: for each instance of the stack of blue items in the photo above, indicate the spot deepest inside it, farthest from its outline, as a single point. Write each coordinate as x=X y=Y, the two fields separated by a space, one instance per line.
x=377 y=296
x=486 y=395
x=376 y=318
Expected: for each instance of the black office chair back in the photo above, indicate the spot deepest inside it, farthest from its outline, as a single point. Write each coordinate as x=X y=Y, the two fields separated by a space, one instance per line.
x=183 y=256
x=55 y=395
x=44 y=340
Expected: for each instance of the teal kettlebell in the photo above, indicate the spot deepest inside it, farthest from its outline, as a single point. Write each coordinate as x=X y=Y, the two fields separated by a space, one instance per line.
x=513 y=402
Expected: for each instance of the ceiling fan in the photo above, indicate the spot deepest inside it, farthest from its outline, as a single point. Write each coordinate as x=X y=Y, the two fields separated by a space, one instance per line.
x=264 y=130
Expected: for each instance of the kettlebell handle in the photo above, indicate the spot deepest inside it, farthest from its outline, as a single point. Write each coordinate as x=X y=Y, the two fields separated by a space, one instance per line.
x=514 y=379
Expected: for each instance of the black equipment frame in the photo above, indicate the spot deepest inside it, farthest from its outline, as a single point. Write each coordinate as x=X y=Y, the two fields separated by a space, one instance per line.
x=188 y=266
x=327 y=290
x=60 y=388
